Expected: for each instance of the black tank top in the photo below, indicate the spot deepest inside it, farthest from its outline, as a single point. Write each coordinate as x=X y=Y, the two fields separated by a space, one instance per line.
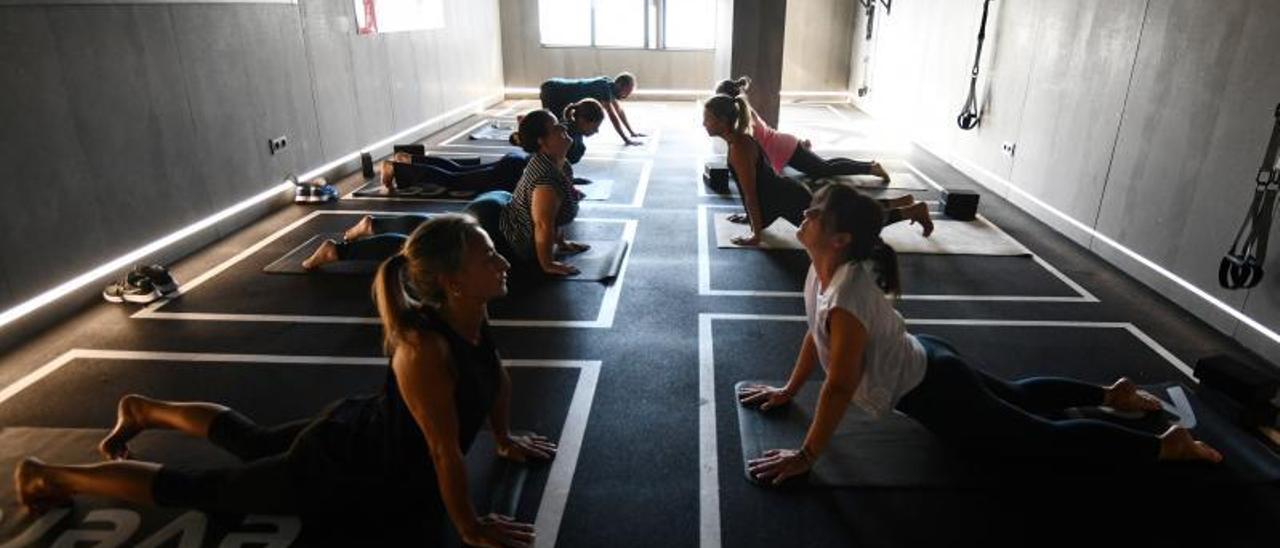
x=387 y=437
x=778 y=196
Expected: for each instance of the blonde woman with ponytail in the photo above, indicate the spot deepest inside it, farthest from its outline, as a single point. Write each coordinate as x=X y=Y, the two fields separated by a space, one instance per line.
x=391 y=463
x=766 y=195
x=874 y=366
x=787 y=150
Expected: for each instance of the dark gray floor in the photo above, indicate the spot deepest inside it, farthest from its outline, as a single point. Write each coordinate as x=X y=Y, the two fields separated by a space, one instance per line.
x=637 y=476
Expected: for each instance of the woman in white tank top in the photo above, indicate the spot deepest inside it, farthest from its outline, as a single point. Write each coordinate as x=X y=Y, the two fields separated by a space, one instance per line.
x=873 y=363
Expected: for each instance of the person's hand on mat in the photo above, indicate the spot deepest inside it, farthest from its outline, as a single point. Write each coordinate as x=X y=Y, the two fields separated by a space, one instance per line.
x=557 y=268
x=778 y=465
x=526 y=448
x=766 y=397
x=635 y=134
x=498 y=531
x=567 y=247
x=751 y=239
x=634 y=142
x=739 y=218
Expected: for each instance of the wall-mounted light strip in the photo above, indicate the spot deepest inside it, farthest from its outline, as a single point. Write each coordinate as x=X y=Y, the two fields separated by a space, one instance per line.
x=65 y=288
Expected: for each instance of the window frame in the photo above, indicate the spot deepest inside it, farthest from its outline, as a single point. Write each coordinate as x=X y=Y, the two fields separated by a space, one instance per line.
x=660 y=35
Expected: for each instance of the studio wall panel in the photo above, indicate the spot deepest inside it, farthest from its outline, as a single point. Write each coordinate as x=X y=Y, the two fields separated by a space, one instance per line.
x=818 y=34
x=129 y=122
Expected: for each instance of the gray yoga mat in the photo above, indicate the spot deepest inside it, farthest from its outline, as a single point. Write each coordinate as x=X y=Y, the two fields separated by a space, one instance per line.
x=291 y=262
x=896 y=451
x=496 y=486
x=602 y=262
x=493 y=131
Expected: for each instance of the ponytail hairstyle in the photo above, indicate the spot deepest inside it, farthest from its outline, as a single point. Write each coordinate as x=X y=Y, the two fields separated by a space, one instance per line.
x=735 y=111
x=588 y=110
x=625 y=80
x=845 y=210
x=532 y=126
x=436 y=248
x=734 y=88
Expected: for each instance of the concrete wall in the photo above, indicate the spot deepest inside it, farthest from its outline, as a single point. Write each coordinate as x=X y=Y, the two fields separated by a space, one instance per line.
x=1144 y=120
x=124 y=123
x=818 y=34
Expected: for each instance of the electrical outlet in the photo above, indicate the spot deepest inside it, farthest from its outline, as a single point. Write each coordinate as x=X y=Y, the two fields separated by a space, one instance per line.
x=275 y=145
x=1008 y=148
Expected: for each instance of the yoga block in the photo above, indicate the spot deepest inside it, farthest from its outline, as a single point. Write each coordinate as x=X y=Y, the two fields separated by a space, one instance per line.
x=418 y=149
x=366 y=165
x=716 y=176
x=1255 y=389
x=960 y=204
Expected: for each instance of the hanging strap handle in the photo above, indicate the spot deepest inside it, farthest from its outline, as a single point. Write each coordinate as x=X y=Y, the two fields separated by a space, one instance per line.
x=1242 y=266
x=969 y=117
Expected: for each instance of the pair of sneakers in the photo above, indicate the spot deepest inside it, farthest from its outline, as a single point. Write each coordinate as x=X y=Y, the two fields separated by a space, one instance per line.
x=143 y=284
x=315 y=191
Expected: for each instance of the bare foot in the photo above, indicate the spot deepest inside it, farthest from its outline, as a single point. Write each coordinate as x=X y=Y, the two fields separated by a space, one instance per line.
x=325 y=254
x=878 y=171
x=35 y=488
x=919 y=213
x=1123 y=395
x=130 y=420
x=387 y=177
x=361 y=229
x=1178 y=444
x=901 y=201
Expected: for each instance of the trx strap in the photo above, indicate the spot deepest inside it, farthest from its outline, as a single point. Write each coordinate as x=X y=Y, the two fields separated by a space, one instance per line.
x=1241 y=268
x=969 y=117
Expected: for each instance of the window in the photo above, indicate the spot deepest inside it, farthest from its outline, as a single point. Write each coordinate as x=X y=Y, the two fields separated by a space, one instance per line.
x=647 y=24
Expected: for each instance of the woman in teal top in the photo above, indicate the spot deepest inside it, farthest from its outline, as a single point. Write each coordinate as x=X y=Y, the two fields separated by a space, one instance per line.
x=558 y=93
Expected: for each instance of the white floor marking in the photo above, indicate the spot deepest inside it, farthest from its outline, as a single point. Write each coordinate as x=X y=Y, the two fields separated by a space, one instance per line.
x=708 y=456
x=604 y=318
x=559 y=478
x=704 y=278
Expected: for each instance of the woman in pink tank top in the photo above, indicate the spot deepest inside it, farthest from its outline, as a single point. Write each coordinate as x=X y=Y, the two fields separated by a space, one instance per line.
x=785 y=149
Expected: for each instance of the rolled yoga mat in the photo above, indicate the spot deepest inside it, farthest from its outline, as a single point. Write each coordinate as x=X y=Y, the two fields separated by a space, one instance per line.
x=896 y=451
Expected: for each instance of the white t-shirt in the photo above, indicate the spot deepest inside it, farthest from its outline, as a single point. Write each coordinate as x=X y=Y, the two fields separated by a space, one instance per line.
x=893 y=362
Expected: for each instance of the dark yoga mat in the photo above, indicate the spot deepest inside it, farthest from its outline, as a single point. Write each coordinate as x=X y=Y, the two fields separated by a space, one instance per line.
x=897 y=451
x=601 y=262
x=598 y=190
x=291 y=262
x=496 y=486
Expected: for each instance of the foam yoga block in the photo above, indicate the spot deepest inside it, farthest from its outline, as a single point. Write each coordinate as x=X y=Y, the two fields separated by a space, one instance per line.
x=897 y=451
x=960 y=204
x=716 y=176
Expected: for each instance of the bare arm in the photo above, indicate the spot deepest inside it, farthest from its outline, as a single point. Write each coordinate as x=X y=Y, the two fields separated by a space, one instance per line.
x=844 y=374
x=500 y=415
x=546 y=205
x=623 y=114
x=804 y=365
x=611 y=108
x=426 y=384
x=743 y=159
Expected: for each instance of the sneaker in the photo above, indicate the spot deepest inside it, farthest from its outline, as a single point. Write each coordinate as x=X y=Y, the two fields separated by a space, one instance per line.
x=160 y=278
x=326 y=193
x=304 y=194
x=135 y=288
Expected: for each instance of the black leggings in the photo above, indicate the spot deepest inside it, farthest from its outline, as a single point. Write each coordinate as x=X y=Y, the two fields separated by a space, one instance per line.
x=390 y=233
x=501 y=174
x=265 y=484
x=988 y=415
x=805 y=161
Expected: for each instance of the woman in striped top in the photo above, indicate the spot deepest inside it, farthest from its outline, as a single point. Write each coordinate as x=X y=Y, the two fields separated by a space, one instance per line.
x=544 y=199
